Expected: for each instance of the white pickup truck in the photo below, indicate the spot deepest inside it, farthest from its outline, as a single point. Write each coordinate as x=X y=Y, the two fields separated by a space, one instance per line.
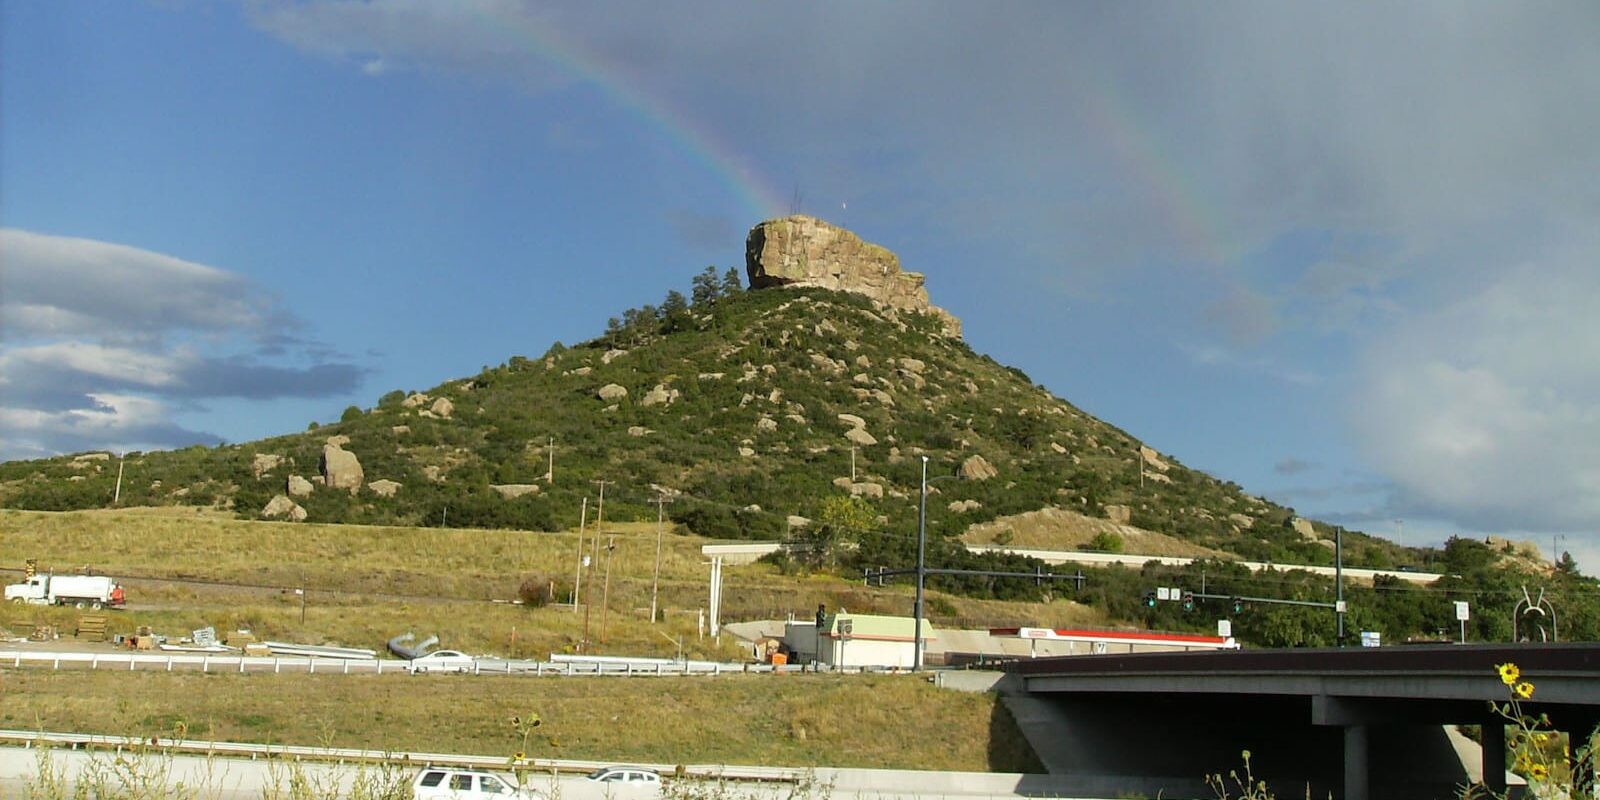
x=83 y=591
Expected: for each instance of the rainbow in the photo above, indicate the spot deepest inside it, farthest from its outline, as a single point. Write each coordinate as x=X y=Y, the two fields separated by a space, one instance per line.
x=1159 y=175
x=699 y=144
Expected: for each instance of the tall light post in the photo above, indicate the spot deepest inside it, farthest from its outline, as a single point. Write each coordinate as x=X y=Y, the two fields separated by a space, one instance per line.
x=922 y=538
x=922 y=568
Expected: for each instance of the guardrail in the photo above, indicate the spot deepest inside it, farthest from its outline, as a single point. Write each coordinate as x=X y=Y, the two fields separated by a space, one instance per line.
x=149 y=662
x=336 y=755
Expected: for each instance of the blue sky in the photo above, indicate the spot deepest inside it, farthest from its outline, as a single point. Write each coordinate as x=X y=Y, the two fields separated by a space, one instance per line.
x=1343 y=256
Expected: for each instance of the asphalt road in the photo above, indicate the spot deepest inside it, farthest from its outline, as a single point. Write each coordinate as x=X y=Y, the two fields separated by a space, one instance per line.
x=245 y=779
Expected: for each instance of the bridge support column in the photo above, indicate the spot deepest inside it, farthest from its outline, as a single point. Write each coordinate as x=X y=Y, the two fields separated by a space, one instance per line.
x=1494 y=755
x=1355 y=762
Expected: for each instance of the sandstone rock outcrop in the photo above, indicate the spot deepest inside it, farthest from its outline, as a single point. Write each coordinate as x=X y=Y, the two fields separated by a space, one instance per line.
x=443 y=407
x=805 y=251
x=281 y=506
x=977 y=468
x=511 y=491
x=611 y=392
x=264 y=463
x=298 y=486
x=384 y=488
x=341 y=469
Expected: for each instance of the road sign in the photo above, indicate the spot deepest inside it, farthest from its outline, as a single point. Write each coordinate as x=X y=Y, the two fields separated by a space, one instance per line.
x=1462 y=612
x=1163 y=593
x=1224 y=628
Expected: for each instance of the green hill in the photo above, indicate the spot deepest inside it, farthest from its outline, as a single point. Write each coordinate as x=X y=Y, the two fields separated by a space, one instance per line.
x=784 y=413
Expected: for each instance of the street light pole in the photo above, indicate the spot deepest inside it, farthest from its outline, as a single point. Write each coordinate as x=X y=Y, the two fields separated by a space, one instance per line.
x=922 y=538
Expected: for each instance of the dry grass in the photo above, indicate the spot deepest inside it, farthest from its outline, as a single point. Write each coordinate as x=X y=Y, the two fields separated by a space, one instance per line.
x=897 y=722
x=187 y=570
x=1061 y=529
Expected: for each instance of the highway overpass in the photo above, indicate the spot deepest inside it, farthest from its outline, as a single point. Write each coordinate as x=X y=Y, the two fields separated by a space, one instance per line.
x=1359 y=723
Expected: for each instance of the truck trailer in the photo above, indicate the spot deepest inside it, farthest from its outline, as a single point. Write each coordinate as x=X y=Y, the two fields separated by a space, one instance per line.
x=83 y=591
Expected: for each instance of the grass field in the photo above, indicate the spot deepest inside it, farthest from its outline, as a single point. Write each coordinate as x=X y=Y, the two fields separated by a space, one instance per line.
x=793 y=720
x=186 y=570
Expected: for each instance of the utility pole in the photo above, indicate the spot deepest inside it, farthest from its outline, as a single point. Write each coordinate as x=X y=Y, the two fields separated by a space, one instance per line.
x=116 y=499
x=550 y=471
x=655 y=580
x=605 y=596
x=852 y=463
x=600 y=517
x=916 y=608
x=577 y=580
x=1338 y=582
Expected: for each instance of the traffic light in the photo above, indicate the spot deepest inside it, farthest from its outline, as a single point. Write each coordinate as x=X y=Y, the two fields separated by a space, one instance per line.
x=1188 y=601
x=1149 y=599
x=1238 y=605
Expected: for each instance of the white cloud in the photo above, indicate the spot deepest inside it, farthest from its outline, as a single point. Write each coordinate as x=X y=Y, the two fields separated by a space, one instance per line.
x=1487 y=411
x=106 y=345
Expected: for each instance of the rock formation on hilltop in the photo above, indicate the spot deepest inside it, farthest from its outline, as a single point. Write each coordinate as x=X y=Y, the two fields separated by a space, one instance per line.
x=805 y=251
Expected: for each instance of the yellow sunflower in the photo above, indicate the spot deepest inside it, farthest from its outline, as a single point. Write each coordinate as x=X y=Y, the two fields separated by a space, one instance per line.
x=1508 y=673
x=1538 y=772
x=1523 y=690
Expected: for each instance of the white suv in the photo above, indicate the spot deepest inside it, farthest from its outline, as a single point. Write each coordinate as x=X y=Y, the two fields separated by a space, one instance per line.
x=446 y=783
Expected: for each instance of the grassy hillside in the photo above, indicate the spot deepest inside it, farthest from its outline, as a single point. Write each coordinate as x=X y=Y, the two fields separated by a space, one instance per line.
x=733 y=409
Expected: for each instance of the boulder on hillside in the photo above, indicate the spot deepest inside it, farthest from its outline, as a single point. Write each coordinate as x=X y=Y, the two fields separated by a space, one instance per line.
x=1153 y=458
x=860 y=437
x=341 y=469
x=415 y=400
x=1303 y=527
x=871 y=490
x=977 y=468
x=511 y=491
x=963 y=506
x=264 y=463
x=298 y=486
x=612 y=391
x=442 y=407
x=281 y=506
x=805 y=251
x=853 y=420
x=339 y=440
x=385 y=487
x=660 y=395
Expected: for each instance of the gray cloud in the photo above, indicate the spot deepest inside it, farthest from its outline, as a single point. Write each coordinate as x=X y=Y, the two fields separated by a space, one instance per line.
x=1415 y=177
x=1292 y=466
x=105 y=343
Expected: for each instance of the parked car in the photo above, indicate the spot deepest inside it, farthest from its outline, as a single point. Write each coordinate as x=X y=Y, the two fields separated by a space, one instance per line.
x=443 y=661
x=628 y=779
x=448 y=783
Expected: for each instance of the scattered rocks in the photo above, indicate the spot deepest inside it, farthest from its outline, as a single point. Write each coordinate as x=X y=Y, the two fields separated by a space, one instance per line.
x=963 y=506
x=660 y=395
x=842 y=482
x=860 y=437
x=264 y=463
x=864 y=489
x=1058 y=448
x=400 y=430
x=611 y=355
x=1303 y=527
x=298 y=486
x=384 y=488
x=977 y=468
x=341 y=469
x=746 y=452
x=912 y=365
x=281 y=506
x=612 y=391
x=415 y=400
x=766 y=425
x=512 y=491
x=639 y=430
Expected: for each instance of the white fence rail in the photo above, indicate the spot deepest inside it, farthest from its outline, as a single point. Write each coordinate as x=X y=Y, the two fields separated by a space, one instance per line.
x=171 y=662
x=350 y=755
